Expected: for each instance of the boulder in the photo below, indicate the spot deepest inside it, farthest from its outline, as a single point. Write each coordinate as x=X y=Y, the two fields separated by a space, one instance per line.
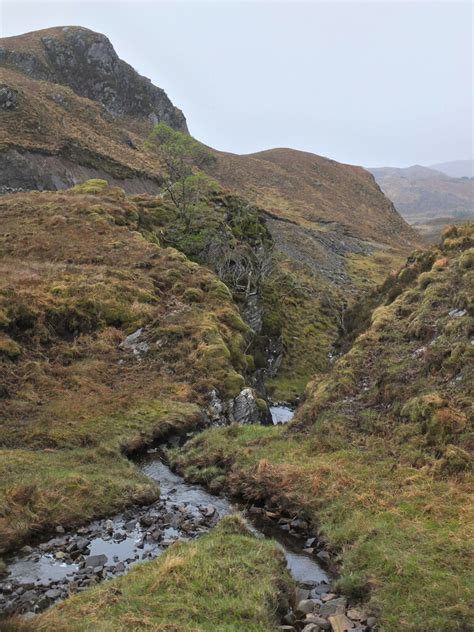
x=94 y=561
x=333 y=607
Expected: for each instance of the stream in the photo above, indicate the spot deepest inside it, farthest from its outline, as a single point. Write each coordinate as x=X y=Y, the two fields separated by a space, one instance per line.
x=41 y=574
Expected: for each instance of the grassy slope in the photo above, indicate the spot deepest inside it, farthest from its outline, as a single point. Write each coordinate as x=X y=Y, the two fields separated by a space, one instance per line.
x=378 y=456
x=226 y=581
x=306 y=193
x=76 y=278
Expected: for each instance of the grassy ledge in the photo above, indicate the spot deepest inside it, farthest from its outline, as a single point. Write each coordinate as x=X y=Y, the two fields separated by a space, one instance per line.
x=226 y=581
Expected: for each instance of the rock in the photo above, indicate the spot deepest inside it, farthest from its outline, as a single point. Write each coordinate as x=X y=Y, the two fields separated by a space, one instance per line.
x=133 y=343
x=319 y=621
x=308 y=551
x=340 y=623
x=286 y=628
x=356 y=614
x=109 y=526
x=8 y=98
x=301 y=594
x=26 y=549
x=311 y=627
x=328 y=596
x=208 y=511
x=371 y=622
x=299 y=525
x=119 y=568
x=60 y=555
x=95 y=560
x=53 y=593
x=310 y=542
x=130 y=525
x=321 y=589
x=147 y=520
x=305 y=606
x=324 y=556
x=60 y=529
x=333 y=607
x=245 y=408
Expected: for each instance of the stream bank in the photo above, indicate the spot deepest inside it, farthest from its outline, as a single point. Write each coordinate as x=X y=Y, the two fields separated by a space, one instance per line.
x=71 y=562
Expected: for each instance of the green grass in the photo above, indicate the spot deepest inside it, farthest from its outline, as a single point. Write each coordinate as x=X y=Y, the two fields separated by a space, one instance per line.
x=226 y=581
x=401 y=537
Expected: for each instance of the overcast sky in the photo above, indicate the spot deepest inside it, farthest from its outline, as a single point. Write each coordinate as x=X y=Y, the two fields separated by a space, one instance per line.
x=370 y=83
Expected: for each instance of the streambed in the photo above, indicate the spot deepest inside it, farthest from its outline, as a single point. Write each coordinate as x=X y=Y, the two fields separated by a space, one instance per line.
x=42 y=574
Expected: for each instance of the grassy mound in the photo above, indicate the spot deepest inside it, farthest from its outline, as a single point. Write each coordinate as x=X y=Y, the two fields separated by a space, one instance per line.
x=225 y=581
x=378 y=457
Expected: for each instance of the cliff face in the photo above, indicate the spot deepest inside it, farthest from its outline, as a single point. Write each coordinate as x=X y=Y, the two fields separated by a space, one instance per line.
x=87 y=62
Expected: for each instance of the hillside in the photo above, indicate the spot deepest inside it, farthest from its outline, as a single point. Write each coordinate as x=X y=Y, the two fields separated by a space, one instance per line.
x=335 y=234
x=81 y=271
x=456 y=168
x=427 y=198
x=379 y=457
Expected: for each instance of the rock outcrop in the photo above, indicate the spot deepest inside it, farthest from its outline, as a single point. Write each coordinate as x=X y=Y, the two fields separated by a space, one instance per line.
x=87 y=62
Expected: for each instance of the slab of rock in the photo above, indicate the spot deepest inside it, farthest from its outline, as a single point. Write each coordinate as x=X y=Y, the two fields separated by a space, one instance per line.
x=305 y=606
x=333 y=607
x=96 y=560
x=340 y=623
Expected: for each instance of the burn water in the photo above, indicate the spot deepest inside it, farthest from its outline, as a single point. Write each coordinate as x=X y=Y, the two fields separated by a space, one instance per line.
x=49 y=571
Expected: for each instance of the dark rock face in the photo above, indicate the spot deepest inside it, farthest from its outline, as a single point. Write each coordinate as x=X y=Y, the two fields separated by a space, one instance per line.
x=8 y=98
x=26 y=171
x=87 y=62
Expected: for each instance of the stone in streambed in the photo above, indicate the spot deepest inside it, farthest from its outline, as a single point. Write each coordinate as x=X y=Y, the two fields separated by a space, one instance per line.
x=301 y=594
x=305 y=606
x=96 y=560
x=371 y=622
x=319 y=621
x=340 y=623
x=333 y=607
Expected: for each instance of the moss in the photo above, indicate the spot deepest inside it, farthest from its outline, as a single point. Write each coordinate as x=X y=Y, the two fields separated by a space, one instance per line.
x=9 y=347
x=233 y=383
x=91 y=186
x=193 y=295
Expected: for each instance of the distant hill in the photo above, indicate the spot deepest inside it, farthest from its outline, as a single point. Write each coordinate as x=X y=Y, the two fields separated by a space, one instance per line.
x=426 y=197
x=456 y=168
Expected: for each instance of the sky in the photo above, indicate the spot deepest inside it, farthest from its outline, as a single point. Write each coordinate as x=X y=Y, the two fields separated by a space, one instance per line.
x=369 y=83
